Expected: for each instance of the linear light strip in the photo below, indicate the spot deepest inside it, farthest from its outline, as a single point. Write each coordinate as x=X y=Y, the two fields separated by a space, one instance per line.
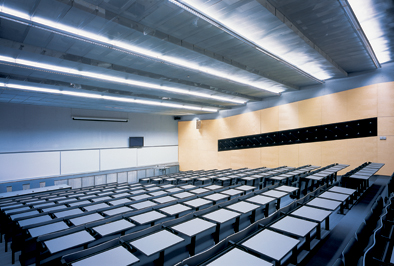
x=125 y=47
x=356 y=25
x=243 y=39
x=104 y=97
x=87 y=74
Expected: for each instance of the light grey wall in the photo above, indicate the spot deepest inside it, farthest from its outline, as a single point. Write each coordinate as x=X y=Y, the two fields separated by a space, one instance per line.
x=44 y=142
x=42 y=128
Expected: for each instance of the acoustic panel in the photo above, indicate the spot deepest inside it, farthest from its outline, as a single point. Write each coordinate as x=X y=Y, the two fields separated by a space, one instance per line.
x=344 y=130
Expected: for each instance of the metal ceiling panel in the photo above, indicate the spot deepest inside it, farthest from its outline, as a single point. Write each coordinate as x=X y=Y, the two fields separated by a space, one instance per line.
x=325 y=23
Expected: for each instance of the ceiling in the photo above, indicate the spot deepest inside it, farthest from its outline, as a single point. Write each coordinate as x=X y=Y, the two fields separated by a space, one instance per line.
x=182 y=57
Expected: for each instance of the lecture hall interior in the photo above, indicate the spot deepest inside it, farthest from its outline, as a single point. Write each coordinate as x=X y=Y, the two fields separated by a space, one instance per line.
x=196 y=132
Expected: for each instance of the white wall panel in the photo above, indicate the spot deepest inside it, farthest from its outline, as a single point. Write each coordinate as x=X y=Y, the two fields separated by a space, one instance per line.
x=118 y=159
x=29 y=165
x=157 y=155
x=73 y=162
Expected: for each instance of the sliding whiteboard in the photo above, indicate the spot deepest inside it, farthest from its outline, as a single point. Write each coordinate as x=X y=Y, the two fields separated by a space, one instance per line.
x=157 y=155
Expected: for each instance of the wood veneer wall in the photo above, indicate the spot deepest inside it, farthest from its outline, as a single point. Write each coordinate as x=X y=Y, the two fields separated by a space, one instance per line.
x=198 y=148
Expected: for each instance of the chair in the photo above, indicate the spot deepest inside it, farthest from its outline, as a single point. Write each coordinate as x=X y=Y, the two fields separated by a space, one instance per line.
x=351 y=252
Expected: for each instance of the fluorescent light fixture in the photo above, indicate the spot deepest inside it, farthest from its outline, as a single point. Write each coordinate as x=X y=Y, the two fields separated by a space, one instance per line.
x=109 y=98
x=125 y=47
x=124 y=81
x=308 y=69
x=102 y=119
x=365 y=12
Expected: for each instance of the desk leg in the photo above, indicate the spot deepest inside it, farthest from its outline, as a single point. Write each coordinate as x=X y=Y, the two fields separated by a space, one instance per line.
x=308 y=241
x=328 y=223
x=266 y=209
x=294 y=255
x=253 y=217
x=217 y=233
x=193 y=246
x=278 y=204
x=318 y=231
x=236 y=225
x=161 y=258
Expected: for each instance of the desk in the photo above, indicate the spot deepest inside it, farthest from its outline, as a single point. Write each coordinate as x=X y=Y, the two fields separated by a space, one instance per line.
x=198 y=203
x=262 y=200
x=246 y=188
x=272 y=244
x=147 y=217
x=183 y=195
x=324 y=203
x=142 y=205
x=118 y=256
x=297 y=227
x=275 y=194
x=79 y=203
x=192 y=228
x=47 y=229
x=86 y=219
x=101 y=199
x=120 y=195
x=313 y=214
x=117 y=211
x=175 y=189
x=199 y=191
x=343 y=190
x=216 y=197
x=213 y=187
x=157 y=193
x=175 y=209
x=156 y=242
x=34 y=220
x=236 y=257
x=167 y=186
x=334 y=196
x=138 y=191
x=140 y=197
x=232 y=192
x=188 y=187
x=165 y=199
x=67 y=213
x=245 y=207
x=287 y=189
x=54 y=208
x=96 y=207
x=113 y=227
x=22 y=209
x=221 y=216
x=68 y=241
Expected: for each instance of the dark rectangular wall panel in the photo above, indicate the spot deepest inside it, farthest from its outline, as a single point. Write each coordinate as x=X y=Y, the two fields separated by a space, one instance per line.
x=344 y=130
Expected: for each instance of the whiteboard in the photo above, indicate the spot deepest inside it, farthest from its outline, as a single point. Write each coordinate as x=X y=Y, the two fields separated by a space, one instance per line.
x=73 y=162
x=15 y=166
x=157 y=155
x=117 y=158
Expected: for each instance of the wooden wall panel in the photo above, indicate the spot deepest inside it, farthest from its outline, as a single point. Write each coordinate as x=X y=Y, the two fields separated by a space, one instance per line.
x=288 y=116
x=309 y=112
x=362 y=102
x=269 y=120
x=310 y=153
x=385 y=99
x=269 y=156
x=224 y=160
x=245 y=158
x=334 y=152
x=288 y=155
x=386 y=155
x=334 y=108
x=386 y=126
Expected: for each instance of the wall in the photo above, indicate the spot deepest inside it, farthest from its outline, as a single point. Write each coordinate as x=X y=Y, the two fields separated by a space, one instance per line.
x=41 y=141
x=198 y=148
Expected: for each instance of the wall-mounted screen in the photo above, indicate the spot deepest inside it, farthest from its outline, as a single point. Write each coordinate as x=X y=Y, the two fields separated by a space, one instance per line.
x=135 y=142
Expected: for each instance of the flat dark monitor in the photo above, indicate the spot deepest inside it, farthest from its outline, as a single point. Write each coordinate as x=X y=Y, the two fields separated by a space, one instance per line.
x=135 y=142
